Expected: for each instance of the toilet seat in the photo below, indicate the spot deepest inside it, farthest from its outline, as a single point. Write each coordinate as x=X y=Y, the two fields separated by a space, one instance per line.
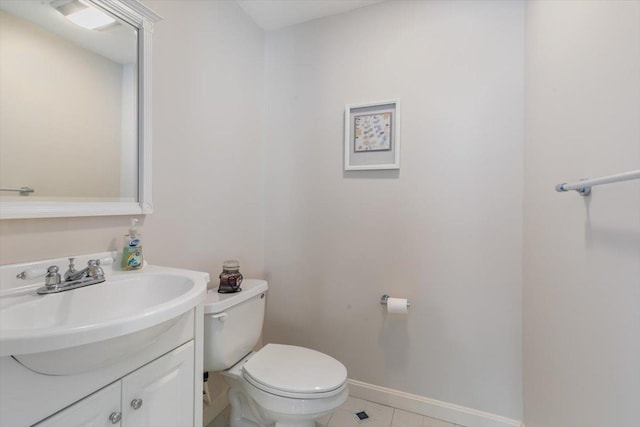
x=295 y=372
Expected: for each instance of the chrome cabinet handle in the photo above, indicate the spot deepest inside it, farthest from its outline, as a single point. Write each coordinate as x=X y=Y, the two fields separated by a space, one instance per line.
x=136 y=403
x=115 y=417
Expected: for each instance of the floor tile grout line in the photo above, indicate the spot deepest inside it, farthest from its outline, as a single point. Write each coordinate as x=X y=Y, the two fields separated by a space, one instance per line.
x=374 y=421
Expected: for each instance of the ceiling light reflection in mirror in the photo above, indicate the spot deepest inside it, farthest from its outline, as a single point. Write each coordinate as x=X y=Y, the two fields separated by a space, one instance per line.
x=83 y=14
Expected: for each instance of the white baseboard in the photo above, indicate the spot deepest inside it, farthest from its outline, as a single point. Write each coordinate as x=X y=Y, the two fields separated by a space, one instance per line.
x=449 y=412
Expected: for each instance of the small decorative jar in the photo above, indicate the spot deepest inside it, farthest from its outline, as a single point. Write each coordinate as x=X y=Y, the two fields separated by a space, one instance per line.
x=230 y=278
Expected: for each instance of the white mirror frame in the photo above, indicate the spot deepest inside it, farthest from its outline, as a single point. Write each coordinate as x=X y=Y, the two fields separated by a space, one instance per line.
x=142 y=18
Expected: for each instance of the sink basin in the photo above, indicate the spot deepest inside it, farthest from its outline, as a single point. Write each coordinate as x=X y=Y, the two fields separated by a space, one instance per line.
x=80 y=329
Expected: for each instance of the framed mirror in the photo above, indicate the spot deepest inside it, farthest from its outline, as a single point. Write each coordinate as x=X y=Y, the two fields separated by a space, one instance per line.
x=75 y=108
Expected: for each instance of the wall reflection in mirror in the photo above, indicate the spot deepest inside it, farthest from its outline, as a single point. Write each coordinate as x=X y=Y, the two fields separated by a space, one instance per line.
x=68 y=104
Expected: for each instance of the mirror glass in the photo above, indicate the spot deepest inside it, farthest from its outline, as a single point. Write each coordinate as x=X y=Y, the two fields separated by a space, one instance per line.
x=68 y=104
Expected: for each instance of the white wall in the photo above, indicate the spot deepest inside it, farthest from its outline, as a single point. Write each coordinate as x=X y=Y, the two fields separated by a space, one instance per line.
x=444 y=231
x=207 y=115
x=582 y=256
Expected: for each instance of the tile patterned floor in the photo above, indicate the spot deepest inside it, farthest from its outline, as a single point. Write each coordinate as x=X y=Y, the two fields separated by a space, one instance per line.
x=379 y=416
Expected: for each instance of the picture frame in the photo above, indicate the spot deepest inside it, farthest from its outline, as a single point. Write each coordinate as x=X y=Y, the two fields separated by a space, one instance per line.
x=372 y=135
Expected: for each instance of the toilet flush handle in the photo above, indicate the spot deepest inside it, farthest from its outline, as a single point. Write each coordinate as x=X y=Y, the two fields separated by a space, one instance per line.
x=221 y=316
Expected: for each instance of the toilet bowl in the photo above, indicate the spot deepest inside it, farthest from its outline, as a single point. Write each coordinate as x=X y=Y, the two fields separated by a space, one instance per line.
x=278 y=385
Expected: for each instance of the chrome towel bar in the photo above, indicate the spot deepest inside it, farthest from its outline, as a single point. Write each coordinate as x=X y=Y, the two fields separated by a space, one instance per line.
x=24 y=191
x=584 y=186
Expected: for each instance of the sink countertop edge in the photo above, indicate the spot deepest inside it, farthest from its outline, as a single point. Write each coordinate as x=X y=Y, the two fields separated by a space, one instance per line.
x=58 y=338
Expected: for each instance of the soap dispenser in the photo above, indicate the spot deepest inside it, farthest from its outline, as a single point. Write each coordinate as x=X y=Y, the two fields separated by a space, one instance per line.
x=132 y=249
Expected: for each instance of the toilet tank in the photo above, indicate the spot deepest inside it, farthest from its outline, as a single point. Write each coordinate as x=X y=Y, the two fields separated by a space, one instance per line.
x=233 y=324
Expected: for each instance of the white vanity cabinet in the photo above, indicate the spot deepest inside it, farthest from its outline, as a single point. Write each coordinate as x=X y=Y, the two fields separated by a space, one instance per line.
x=156 y=395
x=85 y=354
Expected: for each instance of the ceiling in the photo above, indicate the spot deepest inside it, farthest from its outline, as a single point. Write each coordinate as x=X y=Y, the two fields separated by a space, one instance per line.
x=274 y=14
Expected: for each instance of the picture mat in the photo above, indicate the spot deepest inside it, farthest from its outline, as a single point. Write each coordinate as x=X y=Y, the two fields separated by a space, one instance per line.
x=365 y=158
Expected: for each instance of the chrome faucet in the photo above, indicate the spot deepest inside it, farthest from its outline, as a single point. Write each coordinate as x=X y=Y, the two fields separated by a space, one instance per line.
x=92 y=274
x=92 y=270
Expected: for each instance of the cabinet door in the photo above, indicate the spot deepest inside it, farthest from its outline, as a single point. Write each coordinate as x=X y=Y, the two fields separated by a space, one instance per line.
x=100 y=409
x=160 y=394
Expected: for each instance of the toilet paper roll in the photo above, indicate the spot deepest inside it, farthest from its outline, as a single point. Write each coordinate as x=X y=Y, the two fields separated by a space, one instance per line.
x=397 y=305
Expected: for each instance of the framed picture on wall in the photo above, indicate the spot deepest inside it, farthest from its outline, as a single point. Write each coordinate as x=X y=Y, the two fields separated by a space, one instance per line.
x=372 y=135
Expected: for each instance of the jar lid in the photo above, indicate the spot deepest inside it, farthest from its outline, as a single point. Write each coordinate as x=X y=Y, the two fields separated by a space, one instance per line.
x=231 y=264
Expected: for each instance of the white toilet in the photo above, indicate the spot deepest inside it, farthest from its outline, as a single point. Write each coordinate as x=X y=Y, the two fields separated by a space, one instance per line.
x=279 y=385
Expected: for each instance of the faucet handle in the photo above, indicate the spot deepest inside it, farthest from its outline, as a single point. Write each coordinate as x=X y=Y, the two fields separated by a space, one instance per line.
x=52 y=278
x=94 y=268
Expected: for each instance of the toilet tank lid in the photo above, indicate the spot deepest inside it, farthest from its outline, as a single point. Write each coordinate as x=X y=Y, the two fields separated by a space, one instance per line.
x=217 y=303
x=295 y=369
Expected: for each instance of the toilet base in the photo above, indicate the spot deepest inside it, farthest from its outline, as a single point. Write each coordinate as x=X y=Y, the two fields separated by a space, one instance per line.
x=245 y=412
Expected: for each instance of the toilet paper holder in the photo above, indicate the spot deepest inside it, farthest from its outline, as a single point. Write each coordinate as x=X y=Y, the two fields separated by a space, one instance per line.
x=385 y=297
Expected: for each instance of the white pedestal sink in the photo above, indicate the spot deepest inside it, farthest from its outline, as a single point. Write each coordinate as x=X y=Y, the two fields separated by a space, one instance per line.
x=93 y=335
x=81 y=329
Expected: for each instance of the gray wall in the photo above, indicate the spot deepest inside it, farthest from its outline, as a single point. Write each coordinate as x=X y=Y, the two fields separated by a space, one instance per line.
x=582 y=256
x=445 y=231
